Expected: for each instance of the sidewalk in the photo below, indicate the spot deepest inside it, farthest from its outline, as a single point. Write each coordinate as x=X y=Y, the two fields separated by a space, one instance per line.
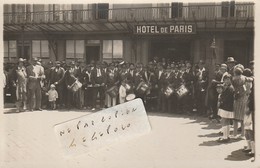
x=175 y=141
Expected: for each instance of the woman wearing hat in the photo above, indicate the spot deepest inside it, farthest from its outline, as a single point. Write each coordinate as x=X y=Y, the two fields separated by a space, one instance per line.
x=225 y=104
x=240 y=97
x=20 y=80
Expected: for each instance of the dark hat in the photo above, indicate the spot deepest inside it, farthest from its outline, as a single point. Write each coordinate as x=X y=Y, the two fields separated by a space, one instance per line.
x=201 y=62
x=230 y=60
x=247 y=72
x=252 y=62
x=72 y=63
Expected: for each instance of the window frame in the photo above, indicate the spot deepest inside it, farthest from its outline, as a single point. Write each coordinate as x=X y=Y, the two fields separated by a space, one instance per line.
x=74 y=49
x=41 y=55
x=112 y=58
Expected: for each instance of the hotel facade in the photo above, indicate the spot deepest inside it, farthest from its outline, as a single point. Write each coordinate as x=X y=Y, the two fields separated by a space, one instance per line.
x=131 y=32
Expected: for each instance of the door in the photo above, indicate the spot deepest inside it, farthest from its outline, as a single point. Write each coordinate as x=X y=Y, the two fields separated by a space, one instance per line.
x=24 y=53
x=92 y=54
x=239 y=49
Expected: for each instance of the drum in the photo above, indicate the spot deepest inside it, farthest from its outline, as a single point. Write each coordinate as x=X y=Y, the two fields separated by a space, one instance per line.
x=181 y=91
x=76 y=86
x=113 y=91
x=130 y=97
x=169 y=91
x=142 y=88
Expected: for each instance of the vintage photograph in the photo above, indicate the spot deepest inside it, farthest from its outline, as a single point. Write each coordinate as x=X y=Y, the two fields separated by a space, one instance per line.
x=191 y=64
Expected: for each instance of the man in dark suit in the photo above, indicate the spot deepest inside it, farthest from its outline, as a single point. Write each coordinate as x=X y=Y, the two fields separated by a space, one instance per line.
x=56 y=76
x=35 y=75
x=112 y=77
x=131 y=73
x=167 y=80
x=159 y=85
x=69 y=78
x=188 y=78
x=201 y=84
x=87 y=87
x=98 y=79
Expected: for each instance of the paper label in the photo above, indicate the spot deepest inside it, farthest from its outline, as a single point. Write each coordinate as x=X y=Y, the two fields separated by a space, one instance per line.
x=97 y=130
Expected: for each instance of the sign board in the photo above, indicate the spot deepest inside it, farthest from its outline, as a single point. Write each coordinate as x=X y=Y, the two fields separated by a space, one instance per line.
x=165 y=29
x=97 y=130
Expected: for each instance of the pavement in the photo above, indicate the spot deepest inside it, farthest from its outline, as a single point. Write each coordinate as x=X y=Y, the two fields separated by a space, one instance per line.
x=28 y=141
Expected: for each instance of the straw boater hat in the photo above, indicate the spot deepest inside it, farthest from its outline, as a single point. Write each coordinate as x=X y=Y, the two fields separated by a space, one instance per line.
x=21 y=60
x=223 y=66
x=220 y=85
x=230 y=60
x=52 y=86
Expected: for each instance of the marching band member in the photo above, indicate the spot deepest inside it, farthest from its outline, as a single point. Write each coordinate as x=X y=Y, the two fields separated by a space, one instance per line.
x=112 y=81
x=138 y=79
x=69 y=78
x=167 y=82
x=98 y=79
x=122 y=91
x=188 y=78
x=159 y=85
x=56 y=76
x=87 y=87
x=201 y=84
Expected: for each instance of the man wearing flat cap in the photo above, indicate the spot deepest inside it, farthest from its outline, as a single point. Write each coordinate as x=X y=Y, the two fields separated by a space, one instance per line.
x=56 y=76
x=35 y=74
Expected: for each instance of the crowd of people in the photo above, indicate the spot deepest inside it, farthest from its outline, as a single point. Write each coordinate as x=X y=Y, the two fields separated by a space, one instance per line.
x=164 y=86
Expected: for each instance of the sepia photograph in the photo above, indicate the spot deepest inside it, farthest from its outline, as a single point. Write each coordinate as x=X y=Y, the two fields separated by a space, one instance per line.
x=128 y=84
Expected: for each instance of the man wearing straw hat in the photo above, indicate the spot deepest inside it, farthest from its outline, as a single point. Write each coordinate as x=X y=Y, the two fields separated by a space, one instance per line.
x=20 y=81
x=35 y=74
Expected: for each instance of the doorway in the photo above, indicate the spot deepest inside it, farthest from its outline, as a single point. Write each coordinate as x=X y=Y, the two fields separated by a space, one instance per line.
x=24 y=52
x=92 y=54
x=171 y=50
x=239 y=49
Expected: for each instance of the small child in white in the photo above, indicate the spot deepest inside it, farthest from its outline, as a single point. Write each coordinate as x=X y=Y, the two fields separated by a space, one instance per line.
x=53 y=95
x=122 y=92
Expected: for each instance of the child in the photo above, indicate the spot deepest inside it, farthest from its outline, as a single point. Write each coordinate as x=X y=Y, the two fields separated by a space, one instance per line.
x=226 y=100
x=249 y=134
x=122 y=92
x=53 y=95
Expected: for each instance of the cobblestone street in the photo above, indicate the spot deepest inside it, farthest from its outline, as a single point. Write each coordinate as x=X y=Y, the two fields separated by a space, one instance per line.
x=175 y=141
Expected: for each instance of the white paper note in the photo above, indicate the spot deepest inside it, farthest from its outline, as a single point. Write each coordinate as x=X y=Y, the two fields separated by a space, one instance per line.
x=90 y=132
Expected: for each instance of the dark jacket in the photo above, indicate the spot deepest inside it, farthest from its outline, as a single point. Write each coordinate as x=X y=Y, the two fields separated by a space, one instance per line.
x=227 y=99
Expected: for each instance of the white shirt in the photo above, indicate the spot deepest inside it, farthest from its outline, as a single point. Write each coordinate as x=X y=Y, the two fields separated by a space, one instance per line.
x=53 y=95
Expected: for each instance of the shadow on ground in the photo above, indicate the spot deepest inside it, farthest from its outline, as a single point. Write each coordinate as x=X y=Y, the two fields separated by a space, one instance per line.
x=237 y=155
x=216 y=143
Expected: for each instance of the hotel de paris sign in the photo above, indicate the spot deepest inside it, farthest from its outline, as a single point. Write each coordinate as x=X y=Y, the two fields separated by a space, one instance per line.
x=165 y=29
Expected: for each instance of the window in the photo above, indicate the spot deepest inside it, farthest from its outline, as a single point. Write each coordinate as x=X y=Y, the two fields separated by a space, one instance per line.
x=74 y=48
x=10 y=48
x=40 y=48
x=112 y=49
